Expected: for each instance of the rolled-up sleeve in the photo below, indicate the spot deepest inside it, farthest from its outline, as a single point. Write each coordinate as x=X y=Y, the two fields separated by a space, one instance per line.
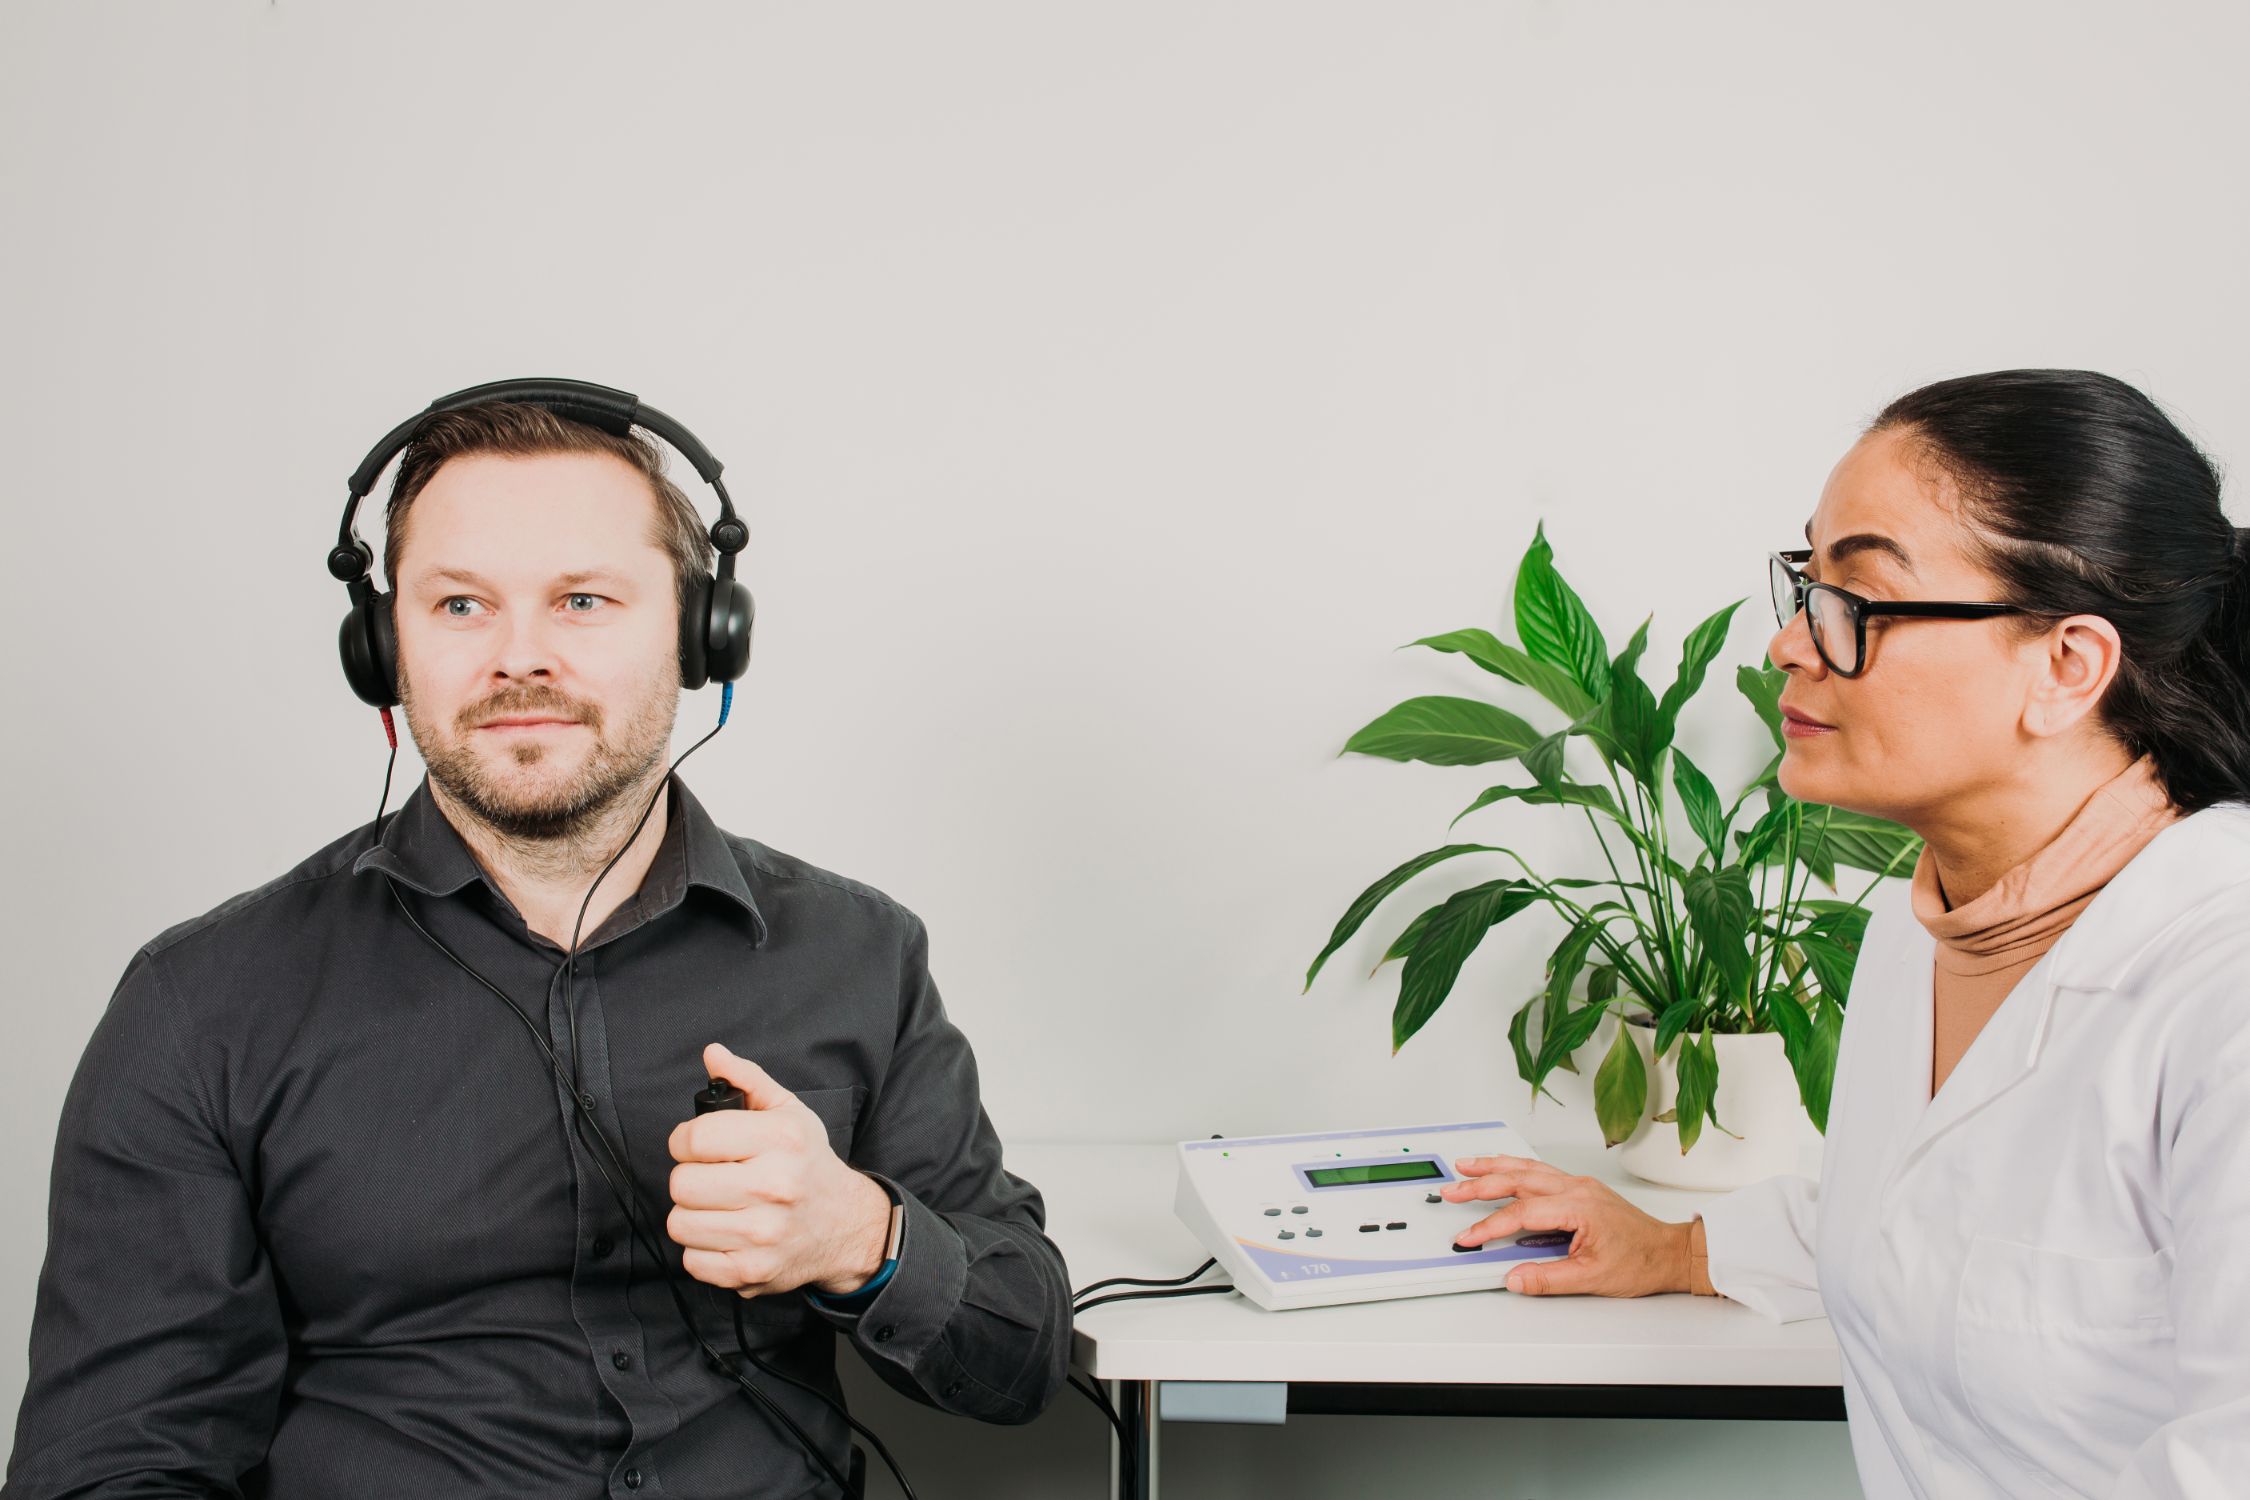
x=157 y=1345
x=976 y=1318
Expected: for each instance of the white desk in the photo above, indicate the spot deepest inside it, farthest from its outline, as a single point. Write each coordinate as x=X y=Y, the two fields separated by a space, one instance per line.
x=1489 y=1353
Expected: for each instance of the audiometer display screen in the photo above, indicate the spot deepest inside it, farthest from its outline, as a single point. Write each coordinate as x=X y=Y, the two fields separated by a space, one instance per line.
x=1365 y=1174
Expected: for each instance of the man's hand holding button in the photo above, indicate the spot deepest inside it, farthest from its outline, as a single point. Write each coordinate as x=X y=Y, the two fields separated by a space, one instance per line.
x=1616 y=1250
x=762 y=1203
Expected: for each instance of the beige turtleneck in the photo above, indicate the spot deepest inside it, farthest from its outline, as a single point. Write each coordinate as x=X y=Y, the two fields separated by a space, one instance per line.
x=1989 y=944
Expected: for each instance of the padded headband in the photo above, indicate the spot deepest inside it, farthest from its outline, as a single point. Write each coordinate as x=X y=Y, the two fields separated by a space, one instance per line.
x=613 y=411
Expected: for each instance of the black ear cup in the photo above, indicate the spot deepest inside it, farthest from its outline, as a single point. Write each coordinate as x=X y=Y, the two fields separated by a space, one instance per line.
x=727 y=637
x=715 y=633
x=694 y=657
x=369 y=644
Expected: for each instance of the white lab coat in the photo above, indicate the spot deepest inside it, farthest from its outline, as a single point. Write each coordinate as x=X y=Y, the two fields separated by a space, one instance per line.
x=2040 y=1280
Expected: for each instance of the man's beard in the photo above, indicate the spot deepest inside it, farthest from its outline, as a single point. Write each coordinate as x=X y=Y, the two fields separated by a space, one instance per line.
x=543 y=814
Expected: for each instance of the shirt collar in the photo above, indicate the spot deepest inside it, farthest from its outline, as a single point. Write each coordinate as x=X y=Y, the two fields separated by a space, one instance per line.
x=420 y=847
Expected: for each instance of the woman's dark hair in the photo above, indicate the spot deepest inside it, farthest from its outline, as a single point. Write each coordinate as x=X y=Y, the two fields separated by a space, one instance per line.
x=2084 y=498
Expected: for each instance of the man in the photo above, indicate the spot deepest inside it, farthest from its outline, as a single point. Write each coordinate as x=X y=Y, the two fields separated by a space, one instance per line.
x=323 y=1222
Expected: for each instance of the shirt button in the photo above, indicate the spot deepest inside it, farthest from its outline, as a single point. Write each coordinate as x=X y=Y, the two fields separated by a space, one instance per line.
x=603 y=1244
x=587 y=1099
x=621 y=1359
x=953 y=1390
x=632 y=1479
x=883 y=1334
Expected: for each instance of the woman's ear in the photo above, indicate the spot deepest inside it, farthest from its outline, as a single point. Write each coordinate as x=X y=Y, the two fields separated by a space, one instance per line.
x=2076 y=661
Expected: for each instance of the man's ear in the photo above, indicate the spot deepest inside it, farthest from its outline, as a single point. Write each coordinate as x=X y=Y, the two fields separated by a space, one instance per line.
x=2076 y=661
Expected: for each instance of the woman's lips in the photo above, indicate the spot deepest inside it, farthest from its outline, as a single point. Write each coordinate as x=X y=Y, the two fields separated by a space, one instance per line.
x=1797 y=727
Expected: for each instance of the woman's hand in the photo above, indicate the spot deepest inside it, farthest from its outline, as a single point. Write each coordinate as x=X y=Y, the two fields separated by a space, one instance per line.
x=1616 y=1250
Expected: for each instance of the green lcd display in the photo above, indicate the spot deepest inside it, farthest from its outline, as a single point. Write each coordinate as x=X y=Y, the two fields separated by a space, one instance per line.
x=1370 y=1172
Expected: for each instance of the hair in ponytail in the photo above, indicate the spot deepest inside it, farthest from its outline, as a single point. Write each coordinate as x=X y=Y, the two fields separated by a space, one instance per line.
x=2084 y=498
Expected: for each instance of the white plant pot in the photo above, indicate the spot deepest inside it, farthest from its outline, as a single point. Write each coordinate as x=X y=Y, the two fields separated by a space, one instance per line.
x=1758 y=1101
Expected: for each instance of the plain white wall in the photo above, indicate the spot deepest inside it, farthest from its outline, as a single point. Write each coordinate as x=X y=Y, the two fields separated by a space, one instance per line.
x=1110 y=389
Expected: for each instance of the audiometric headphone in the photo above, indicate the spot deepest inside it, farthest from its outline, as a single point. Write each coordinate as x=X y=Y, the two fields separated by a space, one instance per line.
x=714 y=623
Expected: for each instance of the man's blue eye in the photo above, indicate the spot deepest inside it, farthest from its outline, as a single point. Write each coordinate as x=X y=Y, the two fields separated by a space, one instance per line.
x=457 y=599
x=591 y=601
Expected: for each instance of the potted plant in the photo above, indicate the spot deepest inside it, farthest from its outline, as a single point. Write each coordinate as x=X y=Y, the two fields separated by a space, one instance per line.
x=1703 y=938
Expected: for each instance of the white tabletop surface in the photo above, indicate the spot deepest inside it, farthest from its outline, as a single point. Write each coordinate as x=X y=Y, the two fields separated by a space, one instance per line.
x=1110 y=1209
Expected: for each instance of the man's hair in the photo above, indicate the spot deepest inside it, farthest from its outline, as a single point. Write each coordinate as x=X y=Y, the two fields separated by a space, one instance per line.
x=514 y=429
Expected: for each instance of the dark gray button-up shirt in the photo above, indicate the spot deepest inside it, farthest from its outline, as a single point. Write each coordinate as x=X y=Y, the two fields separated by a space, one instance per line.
x=319 y=1228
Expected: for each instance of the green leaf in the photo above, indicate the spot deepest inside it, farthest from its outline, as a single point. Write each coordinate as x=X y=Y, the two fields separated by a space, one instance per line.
x=1555 y=624
x=1364 y=906
x=1568 y=794
x=1519 y=1041
x=1785 y=1013
x=1762 y=686
x=1699 y=1081
x=1628 y=715
x=1563 y=966
x=1677 y=1017
x=1832 y=964
x=1761 y=843
x=1701 y=649
x=1719 y=905
x=1545 y=760
x=1816 y=1067
x=1503 y=660
x=1620 y=1089
x=1701 y=801
x=1442 y=731
x=1843 y=921
x=1710 y=1050
x=1452 y=935
x=1860 y=842
x=1404 y=943
x=1601 y=983
x=1567 y=1038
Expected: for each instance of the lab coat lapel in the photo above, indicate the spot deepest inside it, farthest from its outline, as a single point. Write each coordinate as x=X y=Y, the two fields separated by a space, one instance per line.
x=2092 y=956
x=2005 y=1052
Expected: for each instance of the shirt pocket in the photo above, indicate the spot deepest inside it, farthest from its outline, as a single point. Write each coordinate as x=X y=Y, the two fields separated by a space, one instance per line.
x=839 y=1111
x=2065 y=1359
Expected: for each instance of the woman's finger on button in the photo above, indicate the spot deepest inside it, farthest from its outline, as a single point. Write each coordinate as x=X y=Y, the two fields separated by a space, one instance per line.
x=1519 y=1216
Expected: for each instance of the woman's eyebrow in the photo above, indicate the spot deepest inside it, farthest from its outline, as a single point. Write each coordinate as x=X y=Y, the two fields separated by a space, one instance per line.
x=1858 y=542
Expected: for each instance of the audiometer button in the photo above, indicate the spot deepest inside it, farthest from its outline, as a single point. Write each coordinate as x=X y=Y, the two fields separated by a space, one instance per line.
x=1273 y=1213
x=1396 y=1224
x=1312 y=1234
x=1300 y=1209
x=1286 y=1234
x=1369 y=1228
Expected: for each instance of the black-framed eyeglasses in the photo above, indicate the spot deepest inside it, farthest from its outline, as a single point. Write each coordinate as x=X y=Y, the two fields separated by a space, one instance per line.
x=1838 y=617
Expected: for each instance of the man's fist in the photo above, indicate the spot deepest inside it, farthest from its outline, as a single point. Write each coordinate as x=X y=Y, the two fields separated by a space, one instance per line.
x=759 y=1200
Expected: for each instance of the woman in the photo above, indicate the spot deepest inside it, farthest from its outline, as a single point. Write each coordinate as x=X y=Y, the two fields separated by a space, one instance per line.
x=2037 y=1171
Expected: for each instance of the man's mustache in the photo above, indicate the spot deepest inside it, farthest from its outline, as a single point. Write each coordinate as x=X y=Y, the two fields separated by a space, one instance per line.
x=528 y=702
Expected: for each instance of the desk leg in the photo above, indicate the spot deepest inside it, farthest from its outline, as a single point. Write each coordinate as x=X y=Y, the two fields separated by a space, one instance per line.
x=1136 y=1407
